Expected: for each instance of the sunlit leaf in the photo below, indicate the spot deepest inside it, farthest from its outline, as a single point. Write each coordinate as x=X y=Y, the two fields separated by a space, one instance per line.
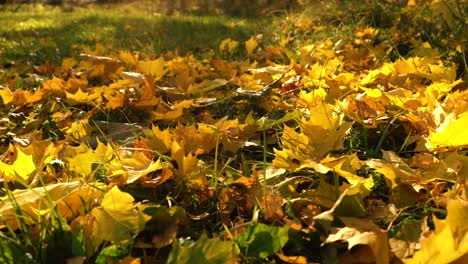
x=451 y=134
x=156 y=68
x=70 y=198
x=21 y=165
x=82 y=159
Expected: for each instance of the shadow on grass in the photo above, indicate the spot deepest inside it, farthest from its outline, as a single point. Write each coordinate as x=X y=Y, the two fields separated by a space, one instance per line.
x=58 y=35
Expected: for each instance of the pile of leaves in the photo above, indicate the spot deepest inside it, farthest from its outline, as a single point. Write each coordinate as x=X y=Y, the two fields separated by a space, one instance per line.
x=337 y=155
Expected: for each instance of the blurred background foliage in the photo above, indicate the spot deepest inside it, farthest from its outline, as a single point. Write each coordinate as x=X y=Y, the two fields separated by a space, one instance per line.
x=201 y=7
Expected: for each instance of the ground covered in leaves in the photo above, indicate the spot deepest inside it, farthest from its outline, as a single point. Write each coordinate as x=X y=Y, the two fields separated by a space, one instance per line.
x=296 y=149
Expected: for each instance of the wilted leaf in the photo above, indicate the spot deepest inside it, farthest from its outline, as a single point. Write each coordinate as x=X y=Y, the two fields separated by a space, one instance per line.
x=406 y=241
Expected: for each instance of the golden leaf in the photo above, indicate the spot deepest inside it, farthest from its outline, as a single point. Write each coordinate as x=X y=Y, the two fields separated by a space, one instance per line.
x=206 y=86
x=69 y=198
x=321 y=132
x=452 y=134
x=155 y=68
x=21 y=97
x=80 y=159
x=346 y=167
x=199 y=139
x=188 y=167
x=128 y=57
x=68 y=63
x=160 y=141
x=81 y=97
x=228 y=45
x=20 y=165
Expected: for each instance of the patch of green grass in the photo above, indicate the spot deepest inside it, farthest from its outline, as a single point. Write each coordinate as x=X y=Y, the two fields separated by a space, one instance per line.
x=34 y=34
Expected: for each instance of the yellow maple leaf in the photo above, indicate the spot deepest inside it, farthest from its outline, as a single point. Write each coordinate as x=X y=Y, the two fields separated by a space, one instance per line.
x=42 y=151
x=82 y=159
x=200 y=139
x=117 y=220
x=55 y=86
x=321 y=131
x=128 y=57
x=188 y=167
x=104 y=68
x=20 y=167
x=68 y=63
x=452 y=134
x=159 y=140
x=115 y=101
x=325 y=129
x=205 y=86
x=155 y=68
x=233 y=135
x=296 y=150
x=81 y=97
x=20 y=96
x=79 y=129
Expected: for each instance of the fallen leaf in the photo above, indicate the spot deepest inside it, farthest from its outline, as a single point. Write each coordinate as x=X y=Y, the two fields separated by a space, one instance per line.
x=117 y=220
x=69 y=198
